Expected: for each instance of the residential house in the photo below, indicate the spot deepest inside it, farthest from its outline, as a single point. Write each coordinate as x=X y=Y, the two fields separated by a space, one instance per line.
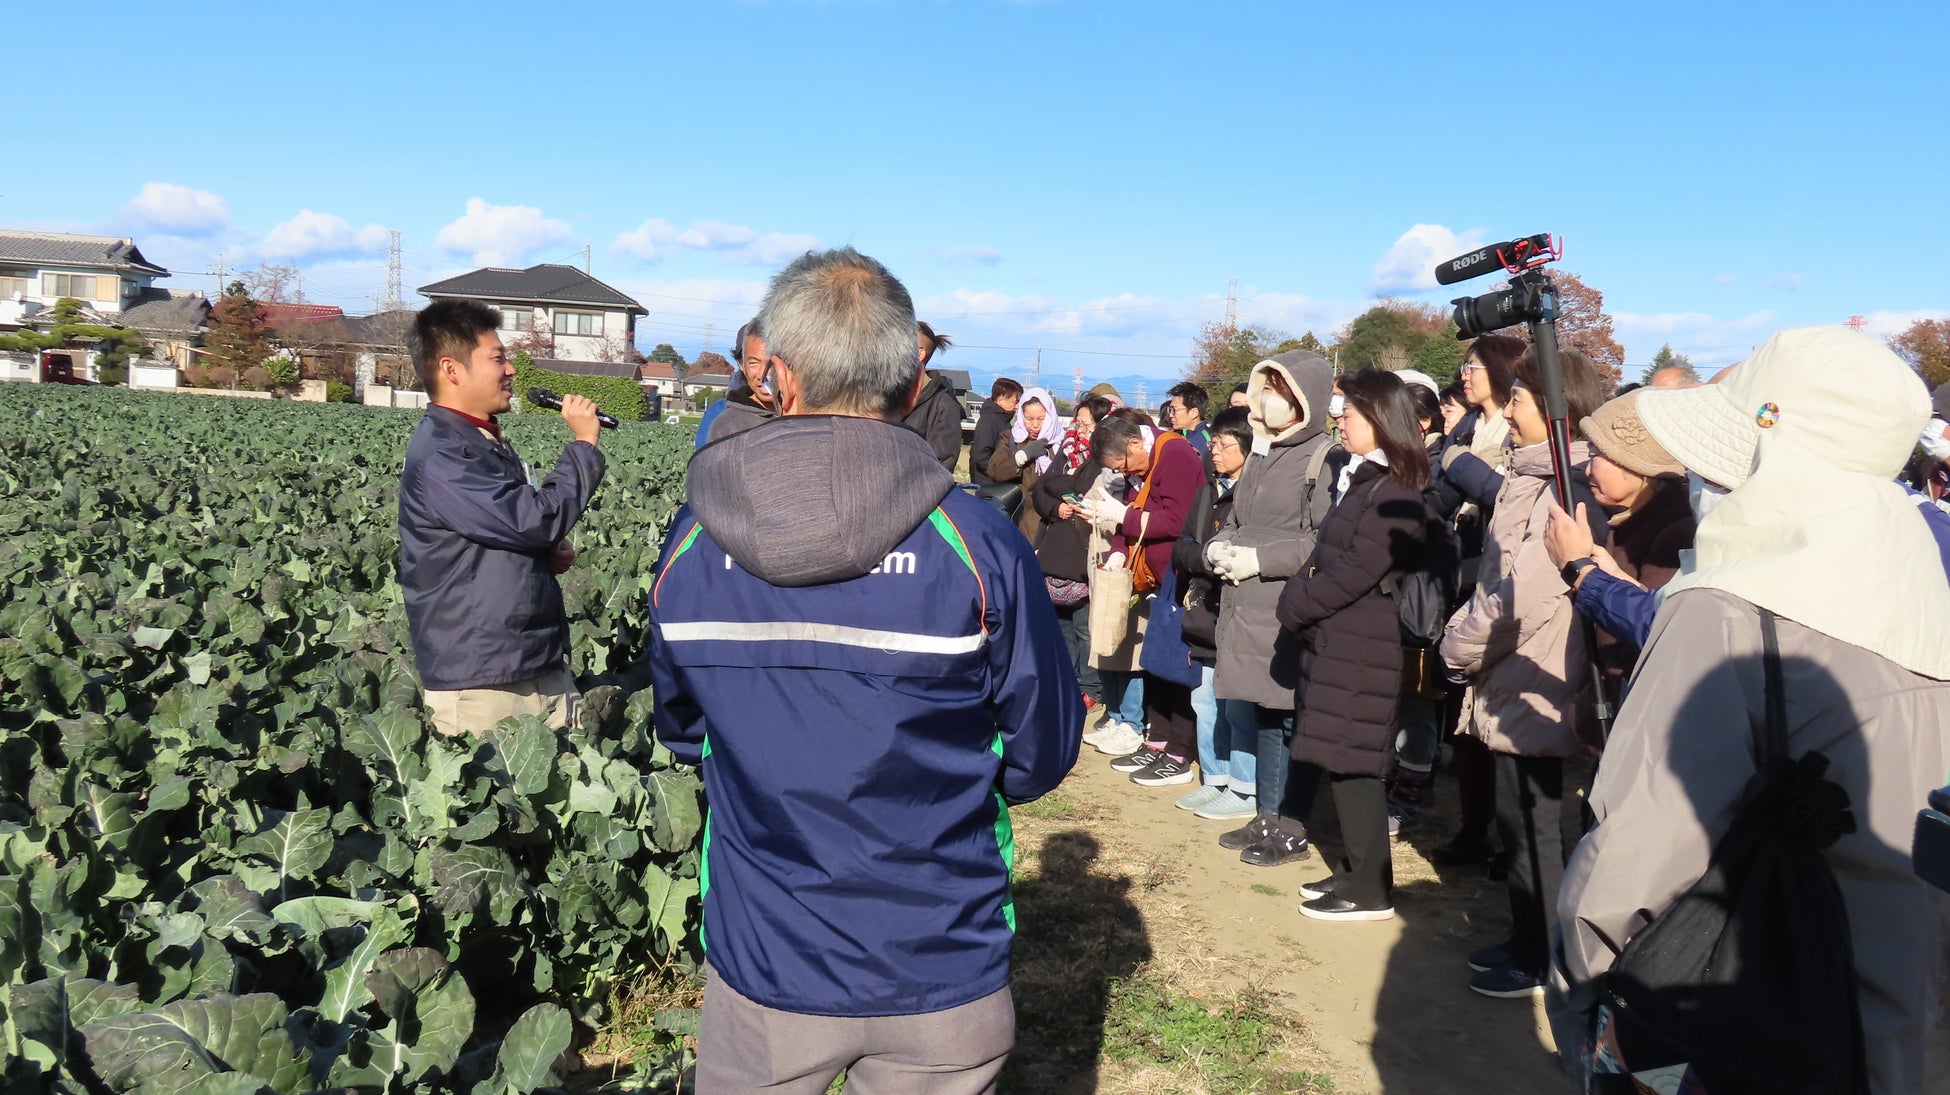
x=660 y=378
x=105 y=273
x=696 y=382
x=553 y=307
x=173 y=320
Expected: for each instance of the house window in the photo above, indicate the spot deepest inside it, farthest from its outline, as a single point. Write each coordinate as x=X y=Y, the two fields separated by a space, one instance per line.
x=579 y=323
x=10 y=286
x=80 y=286
x=517 y=319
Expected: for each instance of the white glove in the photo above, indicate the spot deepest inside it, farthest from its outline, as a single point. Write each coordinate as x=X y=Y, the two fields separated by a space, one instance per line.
x=1238 y=564
x=1115 y=561
x=1216 y=550
x=1108 y=514
x=1022 y=457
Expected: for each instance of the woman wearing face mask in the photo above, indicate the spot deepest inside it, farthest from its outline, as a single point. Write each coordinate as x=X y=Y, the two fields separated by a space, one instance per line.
x=1030 y=452
x=1074 y=449
x=749 y=402
x=1283 y=496
x=1530 y=698
x=1351 y=642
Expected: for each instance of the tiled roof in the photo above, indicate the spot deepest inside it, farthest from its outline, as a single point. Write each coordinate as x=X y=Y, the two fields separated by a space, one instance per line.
x=708 y=380
x=657 y=370
x=59 y=249
x=386 y=330
x=165 y=310
x=277 y=315
x=586 y=368
x=548 y=283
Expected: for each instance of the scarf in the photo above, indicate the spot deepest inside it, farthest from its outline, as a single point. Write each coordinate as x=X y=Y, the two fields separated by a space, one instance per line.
x=1052 y=432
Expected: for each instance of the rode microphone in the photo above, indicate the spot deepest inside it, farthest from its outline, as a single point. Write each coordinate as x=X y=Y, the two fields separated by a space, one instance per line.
x=1517 y=254
x=542 y=397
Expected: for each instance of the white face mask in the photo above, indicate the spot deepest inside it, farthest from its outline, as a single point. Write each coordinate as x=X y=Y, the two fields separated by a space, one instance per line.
x=1277 y=412
x=1702 y=495
x=1336 y=405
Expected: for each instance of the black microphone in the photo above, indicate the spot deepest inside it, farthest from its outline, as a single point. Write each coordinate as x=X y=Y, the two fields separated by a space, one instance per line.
x=1485 y=259
x=542 y=397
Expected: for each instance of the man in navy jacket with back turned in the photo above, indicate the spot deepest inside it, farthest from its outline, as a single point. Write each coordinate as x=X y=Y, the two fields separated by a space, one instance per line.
x=865 y=663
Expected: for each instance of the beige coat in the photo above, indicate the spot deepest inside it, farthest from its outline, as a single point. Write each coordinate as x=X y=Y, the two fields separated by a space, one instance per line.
x=1518 y=637
x=1674 y=773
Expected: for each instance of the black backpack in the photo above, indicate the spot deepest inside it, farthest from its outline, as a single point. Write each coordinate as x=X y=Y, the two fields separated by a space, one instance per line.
x=1748 y=979
x=1425 y=596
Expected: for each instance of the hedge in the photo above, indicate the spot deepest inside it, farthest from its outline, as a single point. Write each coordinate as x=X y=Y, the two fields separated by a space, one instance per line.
x=619 y=395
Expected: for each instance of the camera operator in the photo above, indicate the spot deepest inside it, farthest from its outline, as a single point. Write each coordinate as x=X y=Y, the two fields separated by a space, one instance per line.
x=480 y=542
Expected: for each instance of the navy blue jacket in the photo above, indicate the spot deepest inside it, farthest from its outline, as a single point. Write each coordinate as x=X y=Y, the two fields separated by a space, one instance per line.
x=864 y=710
x=474 y=543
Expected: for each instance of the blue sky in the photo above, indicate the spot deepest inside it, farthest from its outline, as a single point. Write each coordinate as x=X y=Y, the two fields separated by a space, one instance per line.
x=1083 y=176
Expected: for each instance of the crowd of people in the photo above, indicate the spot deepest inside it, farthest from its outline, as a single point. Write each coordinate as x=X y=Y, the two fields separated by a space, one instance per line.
x=1340 y=582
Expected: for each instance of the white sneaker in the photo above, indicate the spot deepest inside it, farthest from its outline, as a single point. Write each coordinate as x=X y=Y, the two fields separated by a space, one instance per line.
x=1200 y=798
x=1122 y=743
x=1104 y=729
x=1228 y=806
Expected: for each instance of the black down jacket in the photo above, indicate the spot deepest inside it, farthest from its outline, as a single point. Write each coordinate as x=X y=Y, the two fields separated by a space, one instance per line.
x=1351 y=646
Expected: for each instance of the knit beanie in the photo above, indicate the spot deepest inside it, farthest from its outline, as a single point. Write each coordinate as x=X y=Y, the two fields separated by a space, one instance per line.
x=1618 y=433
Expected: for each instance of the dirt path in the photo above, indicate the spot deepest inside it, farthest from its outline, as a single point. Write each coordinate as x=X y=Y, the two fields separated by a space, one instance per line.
x=1387 y=1004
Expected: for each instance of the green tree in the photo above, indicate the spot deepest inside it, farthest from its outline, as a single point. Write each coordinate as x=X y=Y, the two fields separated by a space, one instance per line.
x=237 y=339
x=1441 y=356
x=1389 y=335
x=707 y=396
x=668 y=354
x=283 y=369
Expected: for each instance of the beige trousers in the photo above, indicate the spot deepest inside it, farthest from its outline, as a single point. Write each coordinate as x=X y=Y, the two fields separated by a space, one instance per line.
x=475 y=711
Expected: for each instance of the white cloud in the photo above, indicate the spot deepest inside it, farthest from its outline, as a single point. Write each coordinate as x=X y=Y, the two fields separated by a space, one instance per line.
x=656 y=240
x=500 y=235
x=1708 y=339
x=322 y=235
x=1886 y=324
x=961 y=254
x=1409 y=266
x=175 y=210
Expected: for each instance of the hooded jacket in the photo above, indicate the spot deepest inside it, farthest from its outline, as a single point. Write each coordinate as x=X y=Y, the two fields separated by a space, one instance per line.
x=1063 y=548
x=991 y=426
x=1002 y=467
x=866 y=665
x=1677 y=768
x=1518 y=637
x=740 y=413
x=937 y=417
x=1275 y=510
x=475 y=537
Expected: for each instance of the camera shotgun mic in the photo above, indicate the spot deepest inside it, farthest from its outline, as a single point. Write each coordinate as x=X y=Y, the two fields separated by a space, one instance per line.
x=542 y=397
x=1497 y=256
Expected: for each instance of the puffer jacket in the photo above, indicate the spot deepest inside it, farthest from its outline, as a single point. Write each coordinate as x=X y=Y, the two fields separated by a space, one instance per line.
x=1351 y=660
x=1275 y=512
x=1063 y=549
x=1518 y=636
x=937 y=417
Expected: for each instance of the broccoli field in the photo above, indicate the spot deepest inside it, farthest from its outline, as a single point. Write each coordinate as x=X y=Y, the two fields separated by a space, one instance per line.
x=233 y=855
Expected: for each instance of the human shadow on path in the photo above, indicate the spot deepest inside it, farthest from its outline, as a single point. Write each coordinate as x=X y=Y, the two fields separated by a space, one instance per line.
x=1078 y=934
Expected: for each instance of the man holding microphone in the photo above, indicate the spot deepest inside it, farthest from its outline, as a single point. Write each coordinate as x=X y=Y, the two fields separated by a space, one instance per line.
x=480 y=542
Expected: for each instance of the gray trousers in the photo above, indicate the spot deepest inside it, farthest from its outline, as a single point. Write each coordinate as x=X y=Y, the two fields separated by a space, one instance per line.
x=744 y=1046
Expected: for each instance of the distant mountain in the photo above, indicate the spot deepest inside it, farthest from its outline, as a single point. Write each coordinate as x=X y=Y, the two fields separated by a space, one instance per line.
x=1063 y=386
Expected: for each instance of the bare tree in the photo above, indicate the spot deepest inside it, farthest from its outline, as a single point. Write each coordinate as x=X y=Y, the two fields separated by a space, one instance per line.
x=269 y=283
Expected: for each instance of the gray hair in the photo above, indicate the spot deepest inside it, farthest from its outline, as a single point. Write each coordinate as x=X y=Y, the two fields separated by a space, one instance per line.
x=845 y=326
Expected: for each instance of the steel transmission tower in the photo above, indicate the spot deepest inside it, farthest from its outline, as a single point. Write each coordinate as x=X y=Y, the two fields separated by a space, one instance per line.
x=393 y=302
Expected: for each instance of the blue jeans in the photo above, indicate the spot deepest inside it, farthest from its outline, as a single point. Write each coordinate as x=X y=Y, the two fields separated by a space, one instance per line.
x=1124 y=696
x=1272 y=733
x=1236 y=738
x=1213 y=768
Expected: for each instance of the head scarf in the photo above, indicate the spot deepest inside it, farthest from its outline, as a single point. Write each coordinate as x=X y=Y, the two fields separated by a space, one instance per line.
x=1051 y=433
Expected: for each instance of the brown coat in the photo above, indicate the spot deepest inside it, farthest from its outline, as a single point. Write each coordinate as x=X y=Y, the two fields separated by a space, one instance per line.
x=1676 y=769
x=1003 y=469
x=1518 y=637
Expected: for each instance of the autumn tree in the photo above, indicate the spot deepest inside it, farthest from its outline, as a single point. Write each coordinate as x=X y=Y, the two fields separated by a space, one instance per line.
x=1224 y=355
x=237 y=339
x=710 y=363
x=1925 y=344
x=1584 y=326
x=1389 y=335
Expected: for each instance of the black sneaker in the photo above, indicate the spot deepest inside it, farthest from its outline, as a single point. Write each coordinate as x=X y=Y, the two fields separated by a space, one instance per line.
x=1465 y=850
x=1340 y=908
x=1163 y=772
x=1143 y=758
x=1275 y=848
x=1322 y=888
x=1491 y=958
x=1247 y=834
x=1506 y=983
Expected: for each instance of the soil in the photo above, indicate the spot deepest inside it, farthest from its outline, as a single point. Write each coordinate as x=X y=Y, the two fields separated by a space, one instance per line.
x=1385 y=1005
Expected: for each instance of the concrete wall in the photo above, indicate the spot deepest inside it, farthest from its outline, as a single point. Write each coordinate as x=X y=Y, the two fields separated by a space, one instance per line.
x=162 y=377
x=310 y=391
x=225 y=392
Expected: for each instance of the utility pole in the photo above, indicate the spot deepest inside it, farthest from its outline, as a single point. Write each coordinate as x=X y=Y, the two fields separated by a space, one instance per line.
x=219 y=295
x=1039 y=365
x=1143 y=401
x=585 y=258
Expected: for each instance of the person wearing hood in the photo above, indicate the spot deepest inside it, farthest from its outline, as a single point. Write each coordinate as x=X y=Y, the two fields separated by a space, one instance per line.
x=991 y=426
x=1530 y=699
x=1029 y=452
x=1814 y=537
x=937 y=413
x=1282 y=497
x=749 y=402
x=834 y=627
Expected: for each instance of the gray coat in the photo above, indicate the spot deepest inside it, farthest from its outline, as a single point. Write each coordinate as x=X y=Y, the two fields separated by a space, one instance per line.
x=1674 y=773
x=1274 y=512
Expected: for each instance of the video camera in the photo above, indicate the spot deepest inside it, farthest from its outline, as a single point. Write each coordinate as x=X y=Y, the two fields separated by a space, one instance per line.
x=1530 y=298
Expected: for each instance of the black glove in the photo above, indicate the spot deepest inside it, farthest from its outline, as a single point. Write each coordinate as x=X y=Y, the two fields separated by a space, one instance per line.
x=1034 y=450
